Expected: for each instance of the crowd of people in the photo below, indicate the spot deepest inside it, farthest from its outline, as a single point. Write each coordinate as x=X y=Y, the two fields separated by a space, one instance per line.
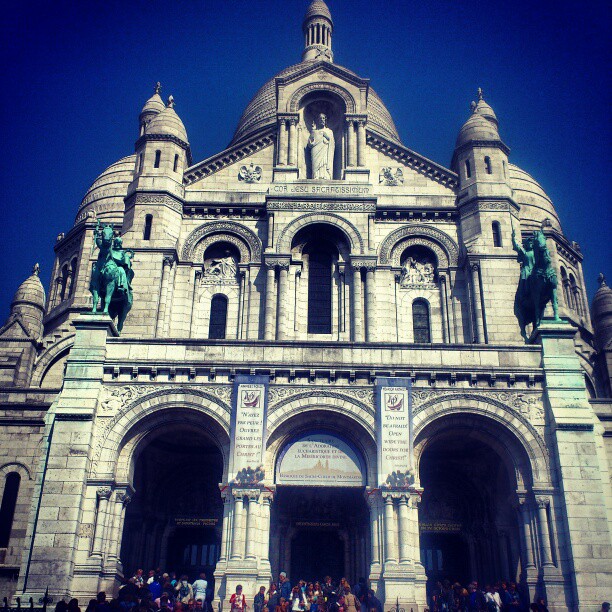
x=163 y=592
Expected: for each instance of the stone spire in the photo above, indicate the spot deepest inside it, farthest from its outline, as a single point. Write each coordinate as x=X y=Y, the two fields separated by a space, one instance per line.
x=318 y=28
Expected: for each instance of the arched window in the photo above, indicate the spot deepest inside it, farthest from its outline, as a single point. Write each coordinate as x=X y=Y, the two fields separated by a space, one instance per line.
x=488 y=166
x=566 y=290
x=73 y=271
x=176 y=158
x=497 y=238
x=420 y=321
x=468 y=168
x=319 y=293
x=64 y=282
x=7 y=509
x=218 y=317
x=146 y=235
x=157 y=158
x=573 y=288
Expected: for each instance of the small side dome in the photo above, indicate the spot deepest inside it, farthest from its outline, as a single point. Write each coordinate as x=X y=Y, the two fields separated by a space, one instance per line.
x=30 y=291
x=168 y=123
x=535 y=204
x=154 y=104
x=318 y=8
x=481 y=125
x=105 y=196
x=29 y=303
x=601 y=314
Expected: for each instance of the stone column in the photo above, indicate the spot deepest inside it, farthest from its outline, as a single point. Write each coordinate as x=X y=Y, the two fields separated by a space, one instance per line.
x=266 y=503
x=69 y=281
x=56 y=292
x=525 y=528
x=373 y=504
x=237 y=536
x=121 y=502
x=292 y=141
x=357 y=305
x=390 y=530
x=283 y=277
x=351 y=143
x=445 y=334
x=370 y=304
x=361 y=143
x=282 y=142
x=251 y=531
x=161 y=311
x=475 y=268
x=103 y=495
x=404 y=530
x=544 y=531
x=225 y=531
x=270 y=314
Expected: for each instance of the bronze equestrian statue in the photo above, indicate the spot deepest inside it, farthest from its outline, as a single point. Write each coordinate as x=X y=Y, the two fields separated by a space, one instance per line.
x=538 y=282
x=111 y=278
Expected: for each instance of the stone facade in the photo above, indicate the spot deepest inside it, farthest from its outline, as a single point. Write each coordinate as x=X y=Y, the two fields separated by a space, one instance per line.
x=245 y=266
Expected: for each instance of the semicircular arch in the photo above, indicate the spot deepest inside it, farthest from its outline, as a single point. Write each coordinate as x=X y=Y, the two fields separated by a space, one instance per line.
x=117 y=440
x=430 y=236
x=349 y=418
x=293 y=104
x=245 y=240
x=49 y=358
x=505 y=428
x=348 y=229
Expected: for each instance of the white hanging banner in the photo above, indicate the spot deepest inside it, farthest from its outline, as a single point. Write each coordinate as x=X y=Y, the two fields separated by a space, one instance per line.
x=394 y=432
x=248 y=427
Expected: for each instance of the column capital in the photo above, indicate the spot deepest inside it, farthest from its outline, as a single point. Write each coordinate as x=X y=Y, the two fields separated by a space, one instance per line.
x=124 y=498
x=360 y=262
x=104 y=492
x=474 y=266
x=542 y=501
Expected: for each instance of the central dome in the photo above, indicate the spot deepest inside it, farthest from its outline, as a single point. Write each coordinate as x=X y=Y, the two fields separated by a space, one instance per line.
x=260 y=113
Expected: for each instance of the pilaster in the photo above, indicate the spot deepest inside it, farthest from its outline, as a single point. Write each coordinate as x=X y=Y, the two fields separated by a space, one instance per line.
x=585 y=538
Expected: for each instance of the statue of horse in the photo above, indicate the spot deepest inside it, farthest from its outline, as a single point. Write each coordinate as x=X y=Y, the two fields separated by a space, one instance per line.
x=112 y=275
x=538 y=282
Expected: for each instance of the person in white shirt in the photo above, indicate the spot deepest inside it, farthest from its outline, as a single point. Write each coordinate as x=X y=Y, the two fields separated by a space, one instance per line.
x=492 y=597
x=199 y=588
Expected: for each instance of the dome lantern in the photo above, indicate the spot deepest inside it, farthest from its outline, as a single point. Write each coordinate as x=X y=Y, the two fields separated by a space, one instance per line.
x=318 y=28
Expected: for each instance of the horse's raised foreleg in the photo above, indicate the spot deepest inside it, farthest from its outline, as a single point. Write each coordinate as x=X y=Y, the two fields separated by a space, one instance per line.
x=110 y=288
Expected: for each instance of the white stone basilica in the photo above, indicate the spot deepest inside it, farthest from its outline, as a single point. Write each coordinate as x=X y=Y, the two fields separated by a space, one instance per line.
x=321 y=373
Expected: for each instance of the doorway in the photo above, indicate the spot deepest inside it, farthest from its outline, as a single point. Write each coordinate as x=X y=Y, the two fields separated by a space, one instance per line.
x=316 y=553
x=320 y=531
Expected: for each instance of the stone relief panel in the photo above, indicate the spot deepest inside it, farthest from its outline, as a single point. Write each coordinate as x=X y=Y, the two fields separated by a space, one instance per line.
x=417 y=271
x=250 y=174
x=391 y=176
x=528 y=405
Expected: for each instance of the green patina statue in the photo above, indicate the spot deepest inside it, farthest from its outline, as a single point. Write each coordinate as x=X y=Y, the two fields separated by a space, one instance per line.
x=111 y=278
x=538 y=283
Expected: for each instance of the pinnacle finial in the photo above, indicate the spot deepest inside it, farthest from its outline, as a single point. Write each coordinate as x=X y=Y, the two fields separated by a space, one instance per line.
x=158 y=87
x=480 y=94
x=601 y=279
x=472 y=106
x=36 y=269
x=170 y=103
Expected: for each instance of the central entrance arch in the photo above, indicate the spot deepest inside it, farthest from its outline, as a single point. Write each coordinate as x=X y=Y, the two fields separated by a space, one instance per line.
x=320 y=519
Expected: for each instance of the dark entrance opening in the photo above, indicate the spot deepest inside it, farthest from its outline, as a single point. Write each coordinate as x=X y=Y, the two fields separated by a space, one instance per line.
x=444 y=555
x=319 y=531
x=192 y=550
x=316 y=553
x=468 y=527
x=175 y=517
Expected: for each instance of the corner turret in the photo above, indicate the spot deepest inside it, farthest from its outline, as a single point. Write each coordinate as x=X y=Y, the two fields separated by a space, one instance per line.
x=29 y=304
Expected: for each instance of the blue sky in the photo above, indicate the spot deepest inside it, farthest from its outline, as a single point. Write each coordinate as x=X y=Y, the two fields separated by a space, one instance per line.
x=76 y=74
